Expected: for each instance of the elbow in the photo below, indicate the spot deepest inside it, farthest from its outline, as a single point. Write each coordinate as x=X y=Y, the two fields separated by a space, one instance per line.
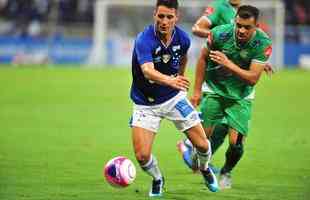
x=146 y=74
x=195 y=29
x=252 y=82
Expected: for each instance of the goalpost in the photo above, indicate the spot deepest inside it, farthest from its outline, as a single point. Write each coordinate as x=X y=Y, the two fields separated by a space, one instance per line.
x=117 y=22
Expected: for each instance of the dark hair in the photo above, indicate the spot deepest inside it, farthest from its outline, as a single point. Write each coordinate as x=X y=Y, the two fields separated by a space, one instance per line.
x=168 y=3
x=247 y=11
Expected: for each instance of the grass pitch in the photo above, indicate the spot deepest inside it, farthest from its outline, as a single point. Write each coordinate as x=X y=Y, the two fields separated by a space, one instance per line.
x=59 y=126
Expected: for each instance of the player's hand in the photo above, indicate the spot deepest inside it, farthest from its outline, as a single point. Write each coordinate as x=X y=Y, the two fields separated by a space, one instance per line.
x=196 y=98
x=219 y=58
x=268 y=69
x=180 y=82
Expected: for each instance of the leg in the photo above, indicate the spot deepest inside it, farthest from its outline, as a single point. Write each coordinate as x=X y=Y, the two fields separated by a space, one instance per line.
x=199 y=140
x=234 y=151
x=211 y=113
x=238 y=115
x=233 y=156
x=142 y=143
x=218 y=136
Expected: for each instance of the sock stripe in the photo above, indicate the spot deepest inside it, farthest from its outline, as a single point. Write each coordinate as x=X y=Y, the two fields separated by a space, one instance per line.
x=148 y=165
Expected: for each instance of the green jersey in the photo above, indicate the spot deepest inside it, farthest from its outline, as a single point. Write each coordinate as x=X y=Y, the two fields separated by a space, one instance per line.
x=222 y=81
x=220 y=12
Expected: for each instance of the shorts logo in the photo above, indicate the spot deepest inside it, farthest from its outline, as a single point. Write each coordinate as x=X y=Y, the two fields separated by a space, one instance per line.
x=184 y=108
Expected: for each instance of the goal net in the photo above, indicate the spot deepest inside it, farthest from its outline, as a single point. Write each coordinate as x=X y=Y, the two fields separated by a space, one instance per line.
x=117 y=22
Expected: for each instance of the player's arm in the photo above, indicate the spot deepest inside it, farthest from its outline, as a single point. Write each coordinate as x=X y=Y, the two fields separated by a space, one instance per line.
x=202 y=27
x=183 y=63
x=199 y=76
x=250 y=76
x=178 y=82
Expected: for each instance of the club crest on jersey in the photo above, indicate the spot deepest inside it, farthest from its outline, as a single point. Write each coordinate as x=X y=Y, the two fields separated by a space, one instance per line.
x=243 y=54
x=175 y=48
x=166 y=58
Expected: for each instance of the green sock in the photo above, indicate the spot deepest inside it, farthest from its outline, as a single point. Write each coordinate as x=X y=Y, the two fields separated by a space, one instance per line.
x=218 y=136
x=233 y=155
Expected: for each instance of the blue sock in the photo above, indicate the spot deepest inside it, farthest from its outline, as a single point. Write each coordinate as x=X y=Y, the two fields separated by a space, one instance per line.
x=187 y=157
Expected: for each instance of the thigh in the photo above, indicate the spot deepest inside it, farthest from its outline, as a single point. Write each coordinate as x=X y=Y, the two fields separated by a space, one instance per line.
x=235 y=137
x=238 y=116
x=142 y=140
x=212 y=111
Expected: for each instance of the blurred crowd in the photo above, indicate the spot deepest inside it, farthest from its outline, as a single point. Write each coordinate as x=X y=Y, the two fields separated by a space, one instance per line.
x=297 y=12
x=26 y=17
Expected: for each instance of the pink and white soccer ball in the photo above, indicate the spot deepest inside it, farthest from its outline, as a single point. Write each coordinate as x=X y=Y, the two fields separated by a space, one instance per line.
x=120 y=172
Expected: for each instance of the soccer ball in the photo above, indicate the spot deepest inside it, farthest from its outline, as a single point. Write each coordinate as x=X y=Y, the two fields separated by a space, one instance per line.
x=119 y=172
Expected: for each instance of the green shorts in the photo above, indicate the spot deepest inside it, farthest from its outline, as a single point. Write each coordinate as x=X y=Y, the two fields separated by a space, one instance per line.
x=236 y=114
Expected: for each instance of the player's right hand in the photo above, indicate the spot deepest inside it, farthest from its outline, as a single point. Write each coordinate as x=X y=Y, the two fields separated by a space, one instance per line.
x=196 y=98
x=180 y=83
x=268 y=69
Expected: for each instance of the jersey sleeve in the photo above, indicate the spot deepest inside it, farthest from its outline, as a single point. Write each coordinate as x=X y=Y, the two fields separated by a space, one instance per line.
x=143 y=50
x=263 y=53
x=186 y=45
x=212 y=13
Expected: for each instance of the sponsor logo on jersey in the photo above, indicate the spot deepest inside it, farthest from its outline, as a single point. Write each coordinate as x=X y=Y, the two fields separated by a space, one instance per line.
x=224 y=36
x=268 y=51
x=166 y=58
x=209 y=10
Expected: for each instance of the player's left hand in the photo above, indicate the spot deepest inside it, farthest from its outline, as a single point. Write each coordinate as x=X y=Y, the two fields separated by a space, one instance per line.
x=219 y=57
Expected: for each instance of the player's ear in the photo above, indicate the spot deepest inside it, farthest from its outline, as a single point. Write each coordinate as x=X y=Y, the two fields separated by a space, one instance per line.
x=154 y=13
x=177 y=16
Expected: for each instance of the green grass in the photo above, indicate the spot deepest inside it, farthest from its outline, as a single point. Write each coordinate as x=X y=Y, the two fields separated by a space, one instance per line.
x=59 y=126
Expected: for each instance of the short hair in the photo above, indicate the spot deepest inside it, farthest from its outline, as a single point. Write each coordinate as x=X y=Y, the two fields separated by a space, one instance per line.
x=247 y=11
x=168 y=3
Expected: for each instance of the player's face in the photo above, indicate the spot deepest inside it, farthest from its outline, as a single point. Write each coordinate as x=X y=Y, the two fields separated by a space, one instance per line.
x=165 y=19
x=245 y=28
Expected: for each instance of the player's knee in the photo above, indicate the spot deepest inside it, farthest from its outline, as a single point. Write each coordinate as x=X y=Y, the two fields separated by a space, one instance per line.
x=143 y=157
x=202 y=146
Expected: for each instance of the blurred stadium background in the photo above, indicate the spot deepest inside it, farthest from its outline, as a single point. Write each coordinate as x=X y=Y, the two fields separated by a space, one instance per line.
x=72 y=32
x=64 y=104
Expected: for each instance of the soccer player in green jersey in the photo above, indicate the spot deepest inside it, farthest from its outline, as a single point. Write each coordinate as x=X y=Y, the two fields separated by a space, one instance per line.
x=231 y=63
x=219 y=12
